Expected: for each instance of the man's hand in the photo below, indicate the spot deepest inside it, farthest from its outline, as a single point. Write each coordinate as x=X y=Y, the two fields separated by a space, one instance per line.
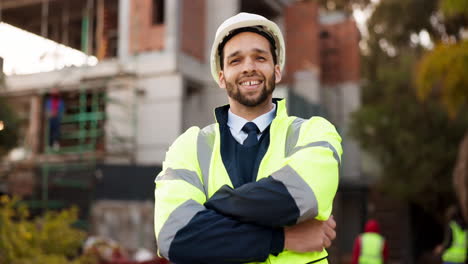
x=311 y=235
x=438 y=250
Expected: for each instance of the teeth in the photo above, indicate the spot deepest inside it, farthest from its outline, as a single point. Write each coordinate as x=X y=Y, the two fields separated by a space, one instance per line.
x=250 y=83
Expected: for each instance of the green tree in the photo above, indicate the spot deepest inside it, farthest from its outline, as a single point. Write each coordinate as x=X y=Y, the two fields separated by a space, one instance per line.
x=444 y=71
x=406 y=137
x=415 y=142
x=442 y=74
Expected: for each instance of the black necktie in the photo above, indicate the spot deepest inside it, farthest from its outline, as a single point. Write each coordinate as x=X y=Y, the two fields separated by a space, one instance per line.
x=252 y=130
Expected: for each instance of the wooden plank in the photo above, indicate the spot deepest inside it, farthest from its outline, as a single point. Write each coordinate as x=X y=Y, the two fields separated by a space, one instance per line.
x=44 y=18
x=35 y=121
x=65 y=22
x=11 y=4
x=100 y=48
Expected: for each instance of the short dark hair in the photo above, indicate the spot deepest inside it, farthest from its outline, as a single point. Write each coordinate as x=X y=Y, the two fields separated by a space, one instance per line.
x=247 y=29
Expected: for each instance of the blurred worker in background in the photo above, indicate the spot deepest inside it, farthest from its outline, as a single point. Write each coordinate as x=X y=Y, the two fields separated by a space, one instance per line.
x=370 y=247
x=54 y=108
x=453 y=249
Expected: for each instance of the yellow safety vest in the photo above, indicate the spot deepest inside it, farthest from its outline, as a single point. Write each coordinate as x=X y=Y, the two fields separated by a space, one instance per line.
x=309 y=150
x=456 y=253
x=371 y=248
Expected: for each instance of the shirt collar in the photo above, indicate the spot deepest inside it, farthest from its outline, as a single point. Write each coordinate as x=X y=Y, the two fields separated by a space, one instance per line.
x=236 y=122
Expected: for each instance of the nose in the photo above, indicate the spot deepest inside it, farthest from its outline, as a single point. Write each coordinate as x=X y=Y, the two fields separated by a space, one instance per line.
x=249 y=65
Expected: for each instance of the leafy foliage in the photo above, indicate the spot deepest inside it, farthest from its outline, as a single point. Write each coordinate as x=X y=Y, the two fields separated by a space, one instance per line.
x=49 y=239
x=445 y=68
x=442 y=74
x=395 y=20
x=415 y=143
x=454 y=7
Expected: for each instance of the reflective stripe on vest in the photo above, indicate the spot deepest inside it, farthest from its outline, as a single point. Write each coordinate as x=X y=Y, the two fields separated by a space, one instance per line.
x=456 y=253
x=188 y=176
x=177 y=220
x=205 y=143
x=371 y=249
x=293 y=136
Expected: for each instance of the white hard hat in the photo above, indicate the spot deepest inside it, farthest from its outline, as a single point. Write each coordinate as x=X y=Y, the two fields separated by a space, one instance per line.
x=243 y=20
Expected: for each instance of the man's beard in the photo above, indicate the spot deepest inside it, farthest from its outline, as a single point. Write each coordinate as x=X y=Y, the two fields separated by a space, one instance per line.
x=235 y=93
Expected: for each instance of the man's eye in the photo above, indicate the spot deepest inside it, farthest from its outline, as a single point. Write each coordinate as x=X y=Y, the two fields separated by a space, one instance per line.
x=234 y=61
x=261 y=58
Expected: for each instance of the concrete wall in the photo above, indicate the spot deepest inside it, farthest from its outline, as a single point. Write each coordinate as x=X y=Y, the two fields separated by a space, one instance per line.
x=218 y=12
x=340 y=101
x=148 y=63
x=159 y=114
x=67 y=77
x=120 y=117
x=198 y=105
x=307 y=85
x=198 y=108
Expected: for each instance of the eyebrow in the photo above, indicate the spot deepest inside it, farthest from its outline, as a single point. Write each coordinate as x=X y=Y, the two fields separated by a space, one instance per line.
x=260 y=50
x=257 y=50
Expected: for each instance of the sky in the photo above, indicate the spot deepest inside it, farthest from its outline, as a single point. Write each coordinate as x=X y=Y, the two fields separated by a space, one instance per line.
x=24 y=52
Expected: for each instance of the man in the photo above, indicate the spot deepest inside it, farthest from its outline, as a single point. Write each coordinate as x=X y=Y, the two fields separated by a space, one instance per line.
x=258 y=185
x=55 y=108
x=370 y=247
x=453 y=250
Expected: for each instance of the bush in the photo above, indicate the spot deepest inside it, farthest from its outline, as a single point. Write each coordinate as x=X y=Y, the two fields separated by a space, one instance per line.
x=48 y=239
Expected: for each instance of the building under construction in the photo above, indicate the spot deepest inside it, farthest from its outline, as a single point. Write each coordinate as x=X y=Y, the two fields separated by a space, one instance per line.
x=152 y=82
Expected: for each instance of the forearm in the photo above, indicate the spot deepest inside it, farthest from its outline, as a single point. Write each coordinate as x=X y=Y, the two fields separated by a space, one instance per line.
x=210 y=237
x=266 y=202
x=290 y=195
x=187 y=232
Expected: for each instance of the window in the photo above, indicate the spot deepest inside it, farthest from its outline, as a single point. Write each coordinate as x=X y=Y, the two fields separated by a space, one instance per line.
x=158 y=12
x=324 y=34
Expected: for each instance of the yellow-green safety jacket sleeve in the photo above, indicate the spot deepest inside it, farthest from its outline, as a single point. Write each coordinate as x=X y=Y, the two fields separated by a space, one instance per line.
x=303 y=188
x=311 y=169
x=179 y=190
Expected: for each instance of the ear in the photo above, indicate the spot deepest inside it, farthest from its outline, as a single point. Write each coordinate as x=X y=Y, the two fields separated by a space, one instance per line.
x=222 y=80
x=277 y=74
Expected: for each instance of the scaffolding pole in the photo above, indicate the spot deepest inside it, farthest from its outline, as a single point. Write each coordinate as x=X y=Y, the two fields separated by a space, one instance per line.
x=123 y=51
x=45 y=18
x=90 y=8
x=65 y=22
x=100 y=51
x=85 y=26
